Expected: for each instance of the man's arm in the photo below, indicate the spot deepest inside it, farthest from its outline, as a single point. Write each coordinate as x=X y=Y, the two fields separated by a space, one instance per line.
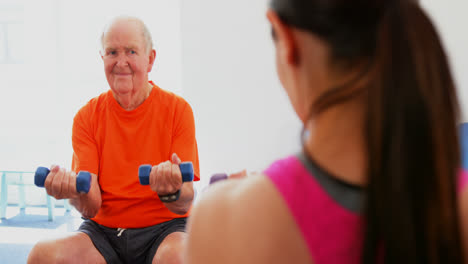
x=183 y=204
x=61 y=184
x=88 y=204
x=166 y=178
x=85 y=157
x=184 y=145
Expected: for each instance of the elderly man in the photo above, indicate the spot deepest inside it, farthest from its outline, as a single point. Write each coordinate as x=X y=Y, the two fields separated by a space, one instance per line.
x=133 y=123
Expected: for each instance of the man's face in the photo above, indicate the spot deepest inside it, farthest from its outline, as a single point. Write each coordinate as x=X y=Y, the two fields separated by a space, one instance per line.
x=126 y=60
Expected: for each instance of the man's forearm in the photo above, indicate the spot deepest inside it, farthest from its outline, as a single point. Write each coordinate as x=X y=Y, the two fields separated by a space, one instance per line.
x=88 y=204
x=183 y=204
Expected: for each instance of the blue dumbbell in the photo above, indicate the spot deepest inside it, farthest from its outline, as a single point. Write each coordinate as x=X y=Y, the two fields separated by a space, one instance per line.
x=464 y=145
x=186 y=169
x=83 y=179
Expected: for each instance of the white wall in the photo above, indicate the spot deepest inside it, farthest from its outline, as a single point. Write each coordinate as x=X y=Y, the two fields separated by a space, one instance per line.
x=243 y=117
x=451 y=20
x=62 y=70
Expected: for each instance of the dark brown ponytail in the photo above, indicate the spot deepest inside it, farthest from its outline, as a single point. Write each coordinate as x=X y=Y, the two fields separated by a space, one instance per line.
x=413 y=145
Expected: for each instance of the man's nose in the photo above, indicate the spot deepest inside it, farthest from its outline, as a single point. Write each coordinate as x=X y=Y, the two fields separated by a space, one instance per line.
x=122 y=60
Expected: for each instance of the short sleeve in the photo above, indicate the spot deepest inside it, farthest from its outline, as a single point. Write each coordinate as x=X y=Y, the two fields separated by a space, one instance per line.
x=85 y=153
x=184 y=143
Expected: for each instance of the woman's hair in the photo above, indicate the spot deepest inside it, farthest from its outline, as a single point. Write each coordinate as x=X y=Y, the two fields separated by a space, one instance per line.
x=411 y=121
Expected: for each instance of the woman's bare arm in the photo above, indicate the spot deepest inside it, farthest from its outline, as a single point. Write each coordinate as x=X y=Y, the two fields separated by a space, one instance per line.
x=243 y=221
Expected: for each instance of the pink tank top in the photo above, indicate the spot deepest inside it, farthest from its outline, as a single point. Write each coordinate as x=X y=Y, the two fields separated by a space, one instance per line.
x=462 y=180
x=327 y=210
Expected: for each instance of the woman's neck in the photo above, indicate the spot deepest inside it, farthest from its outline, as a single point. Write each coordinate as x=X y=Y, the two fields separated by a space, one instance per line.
x=336 y=142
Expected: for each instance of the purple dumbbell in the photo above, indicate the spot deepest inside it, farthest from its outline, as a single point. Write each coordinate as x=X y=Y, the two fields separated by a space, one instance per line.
x=218 y=177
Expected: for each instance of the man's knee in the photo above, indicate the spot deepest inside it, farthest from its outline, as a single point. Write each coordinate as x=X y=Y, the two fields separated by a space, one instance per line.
x=171 y=250
x=43 y=252
x=168 y=255
x=77 y=248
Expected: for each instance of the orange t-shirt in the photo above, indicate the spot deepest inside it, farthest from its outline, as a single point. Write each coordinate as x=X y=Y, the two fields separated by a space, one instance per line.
x=112 y=143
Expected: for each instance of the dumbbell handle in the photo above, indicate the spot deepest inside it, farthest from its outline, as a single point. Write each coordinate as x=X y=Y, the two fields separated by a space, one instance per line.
x=83 y=179
x=186 y=169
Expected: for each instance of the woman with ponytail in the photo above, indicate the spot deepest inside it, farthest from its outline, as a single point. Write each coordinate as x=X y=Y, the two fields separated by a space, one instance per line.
x=379 y=178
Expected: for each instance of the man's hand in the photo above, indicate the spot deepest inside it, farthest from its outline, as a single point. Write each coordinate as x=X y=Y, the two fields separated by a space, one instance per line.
x=166 y=178
x=61 y=184
x=238 y=175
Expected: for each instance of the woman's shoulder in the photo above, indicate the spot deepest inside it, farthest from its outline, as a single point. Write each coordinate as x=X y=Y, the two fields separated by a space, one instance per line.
x=244 y=221
x=235 y=198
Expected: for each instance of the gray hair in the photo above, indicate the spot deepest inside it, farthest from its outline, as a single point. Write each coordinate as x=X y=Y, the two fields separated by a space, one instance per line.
x=144 y=29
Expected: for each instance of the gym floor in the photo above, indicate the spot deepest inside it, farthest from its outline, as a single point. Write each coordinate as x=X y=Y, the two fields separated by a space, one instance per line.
x=23 y=228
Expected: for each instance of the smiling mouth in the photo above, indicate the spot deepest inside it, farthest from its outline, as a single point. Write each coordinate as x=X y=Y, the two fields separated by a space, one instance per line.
x=122 y=74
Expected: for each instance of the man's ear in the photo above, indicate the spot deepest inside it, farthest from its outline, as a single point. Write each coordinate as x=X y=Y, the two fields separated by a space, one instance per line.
x=286 y=44
x=152 y=58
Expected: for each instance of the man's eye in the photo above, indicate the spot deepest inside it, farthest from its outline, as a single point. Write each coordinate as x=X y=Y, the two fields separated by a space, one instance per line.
x=132 y=52
x=112 y=52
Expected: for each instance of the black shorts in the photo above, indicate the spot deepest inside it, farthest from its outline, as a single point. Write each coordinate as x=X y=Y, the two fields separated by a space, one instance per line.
x=133 y=245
